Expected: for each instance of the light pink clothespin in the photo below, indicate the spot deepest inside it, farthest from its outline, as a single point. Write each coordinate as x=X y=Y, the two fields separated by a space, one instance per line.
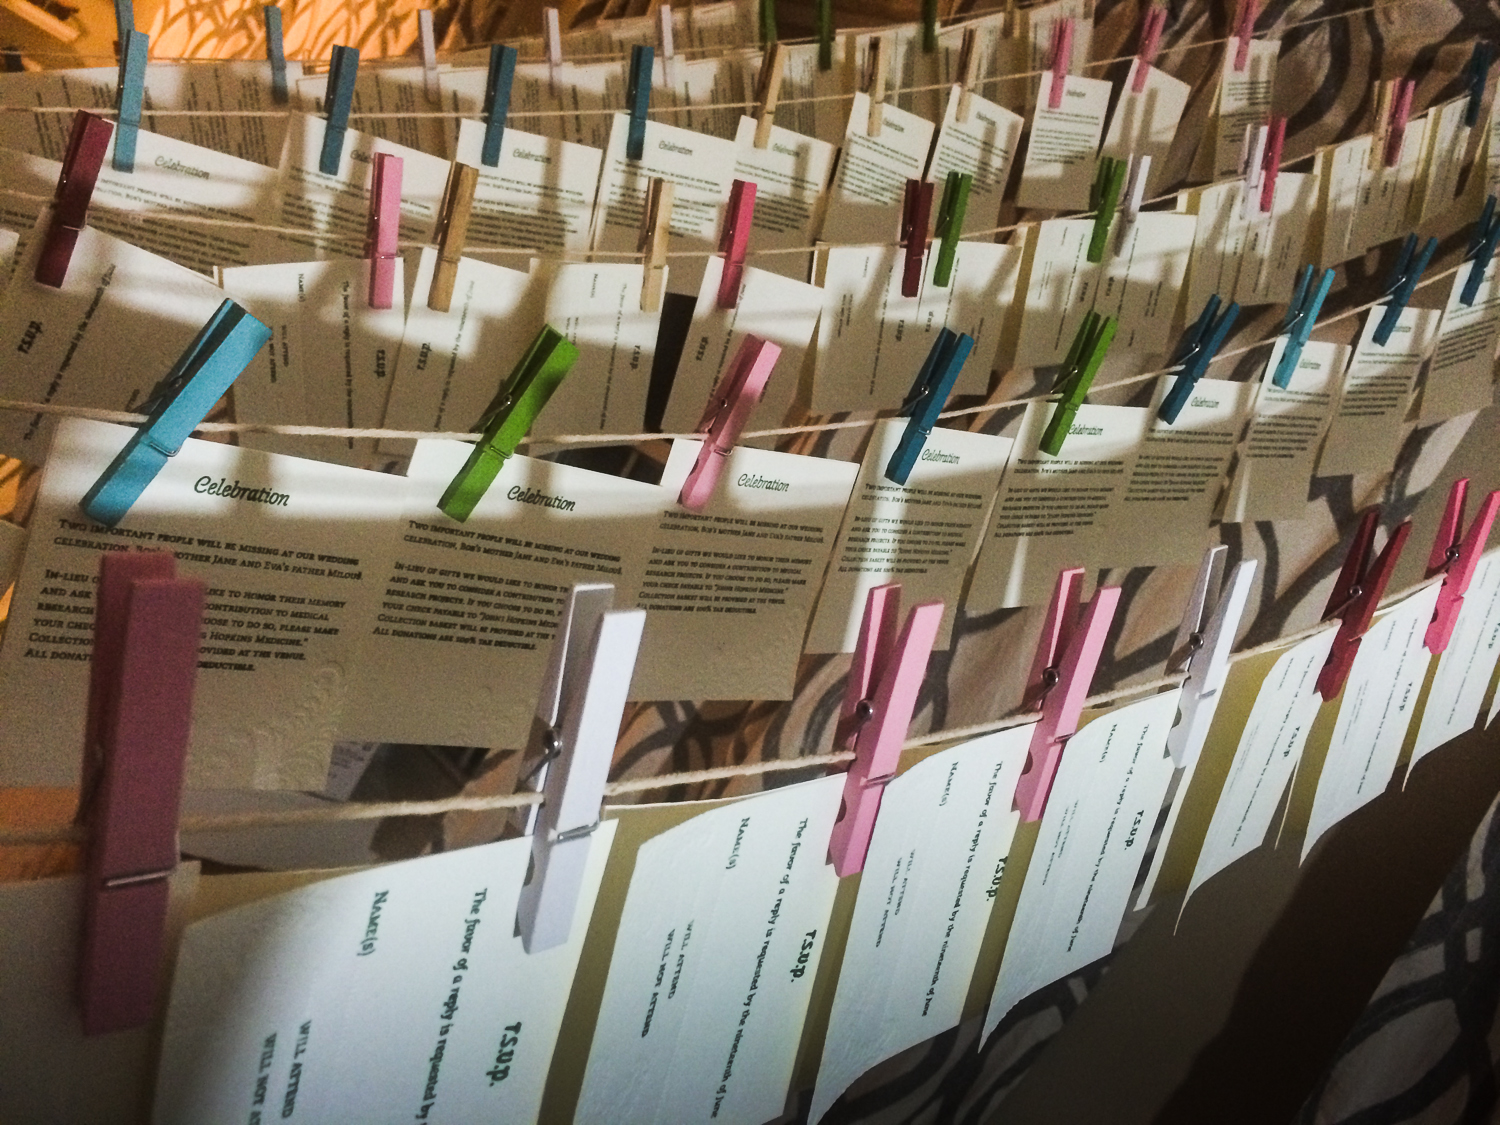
x=1152 y=24
x=1270 y=163
x=1355 y=597
x=735 y=240
x=147 y=626
x=1066 y=657
x=881 y=695
x=1059 y=60
x=1244 y=31
x=1253 y=165
x=384 y=229
x=1395 y=133
x=724 y=417
x=552 y=40
x=1456 y=556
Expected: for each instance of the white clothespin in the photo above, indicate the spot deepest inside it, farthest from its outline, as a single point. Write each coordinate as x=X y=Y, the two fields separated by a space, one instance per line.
x=1135 y=195
x=1252 y=166
x=552 y=38
x=668 y=50
x=577 y=724
x=428 y=42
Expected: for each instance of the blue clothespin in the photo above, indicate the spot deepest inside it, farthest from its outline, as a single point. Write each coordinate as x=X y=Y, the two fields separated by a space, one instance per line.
x=1482 y=243
x=215 y=358
x=343 y=69
x=129 y=95
x=638 y=98
x=925 y=400
x=1196 y=351
x=497 y=84
x=275 y=53
x=1476 y=74
x=1402 y=283
x=1301 y=316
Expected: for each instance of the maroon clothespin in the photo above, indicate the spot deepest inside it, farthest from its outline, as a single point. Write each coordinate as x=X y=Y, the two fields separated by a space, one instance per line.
x=735 y=240
x=1152 y=24
x=75 y=188
x=1355 y=597
x=1395 y=130
x=384 y=230
x=147 y=625
x=881 y=696
x=916 y=215
x=1456 y=556
x=1244 y=32
x=1059 y=59
x=1066 y=657
x=1271 y=163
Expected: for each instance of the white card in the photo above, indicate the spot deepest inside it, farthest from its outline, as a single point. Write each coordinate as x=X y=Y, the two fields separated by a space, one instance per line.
x=1244 y=101
x=790 y=176
x=1275 y=245
x=1466 y=665
x=1443 y=163
x=1142 y=279
x=1060 y=287
x=1221 y=242
x=870 y=183
x=1387 y=195
x=984 y=147
x=1342 y=171
x=1145 y=124
x=1461 y=378
x=1063 y=149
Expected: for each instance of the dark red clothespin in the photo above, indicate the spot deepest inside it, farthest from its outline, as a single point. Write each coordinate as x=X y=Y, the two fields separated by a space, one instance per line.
x=1395 y=130
x=75 y=188
x=147 y=625
x=881 y=696
x=1059 y=59
x=381 y=239
x=1271 y=163
x=916 y=215
x=735 y=240
x=1455 y=556
x=1244 y=32
x=1066 y=656
x=1152 y=24
x=1355 y=597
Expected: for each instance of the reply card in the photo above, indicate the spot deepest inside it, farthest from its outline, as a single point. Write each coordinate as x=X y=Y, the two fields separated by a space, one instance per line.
x=864 y=204
x=1460 y=377
x=984 y=146
x=1063 y=150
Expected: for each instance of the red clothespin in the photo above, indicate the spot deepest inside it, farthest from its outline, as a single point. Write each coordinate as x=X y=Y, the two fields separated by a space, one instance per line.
x=1152 y=24
x=1356 y=595
x=1271 y=163
x=1066 y=657
x=384 y=229
x=147 y=625
x=881 y=695
x=1060 y=58
x=724 y=418
x=1244 y=31
x=735 y=240
x=70 y=203
x=916 y=213
x=1455 y=556
x=1395 y=132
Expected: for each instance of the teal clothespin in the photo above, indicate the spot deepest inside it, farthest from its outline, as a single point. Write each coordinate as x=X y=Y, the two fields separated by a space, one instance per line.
x=768 y=22
x=929 y=26
x=124 y=21
x=129 y=96
x=1482 y=241
x=825 y=34
x=1196 y=351
x=1402 y=283
x=343 y=69
x=950 y=224
x=1301 y=318
x=497 y=84
x=275 y=53
x=638 y=98
x=509 y=418
x=221 y=350
x=929 y=392
x=1104 y=197
x=1084 y=358
x=1476 y=74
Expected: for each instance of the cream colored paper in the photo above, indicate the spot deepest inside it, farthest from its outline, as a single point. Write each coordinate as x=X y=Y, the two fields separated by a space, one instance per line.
x=870 y=183
x=985 y=148
x=1466 y=666
x=1061 y=154
x=1370 y=421
x=1244 y=101
x=1145 y=124
x=791 y=178
x=386 y=104
x=1461 y=377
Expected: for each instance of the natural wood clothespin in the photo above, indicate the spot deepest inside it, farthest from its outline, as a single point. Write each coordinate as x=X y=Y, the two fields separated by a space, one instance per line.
x=656 y=221
x=453 y=231
x=768 y=93
x=968 y=71
x=878 y=63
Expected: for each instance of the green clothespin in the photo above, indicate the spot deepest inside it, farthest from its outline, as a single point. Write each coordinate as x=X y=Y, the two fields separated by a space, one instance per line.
x=509 y=418
x=767 y=22
x=929 y=26
x=950 y=224
x=825 y=34
x=1104 y=196
x=1084 y=358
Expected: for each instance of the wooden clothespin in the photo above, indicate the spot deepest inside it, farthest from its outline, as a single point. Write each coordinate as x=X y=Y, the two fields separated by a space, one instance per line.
x=382 y=235
x=768 y=92
x=879 y=62
x=452 y=232
x=638 y=99
x=724 y=417
x=1135 y=198
x=1195 y=352
x=1244 y=32
x=1153 y=22
x=926 y=399
x=552 y=40
x=338 y=99
x=130 y=95
x=1104 y=197
x=498 y=81
x=1402 y=283
x=968 y=74
x=1482 y=241
x=1455 y=555
x=734 y=241
x=1355 y=597
x=147 y=628
x=509 y=418
x=1301 y=318
x=1059 y=61
x=1066 y=657
x=952 y=210
x=916 y=215
x=656 y=224
x=275 y=53
x=885 y=680
x=1270 y=163
x=577 y=723
x=1204 y=642
x=1476 y=76
x=87 y=144
x=1085 y=355
x=427 y=44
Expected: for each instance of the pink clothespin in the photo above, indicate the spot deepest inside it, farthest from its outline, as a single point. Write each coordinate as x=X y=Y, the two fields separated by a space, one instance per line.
x=1455 y=556
x=881 y=695
x=147 y=625
x=1271 y=163
x=916 y=216
x=1355 y=597
x=735 y=240
x=724 y=418
x=1395 y=133
x=1244 y=31
x=1066 y=657
x=384 y=229
x=1060 y=58
x=1152 y=24
x=75 y=189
